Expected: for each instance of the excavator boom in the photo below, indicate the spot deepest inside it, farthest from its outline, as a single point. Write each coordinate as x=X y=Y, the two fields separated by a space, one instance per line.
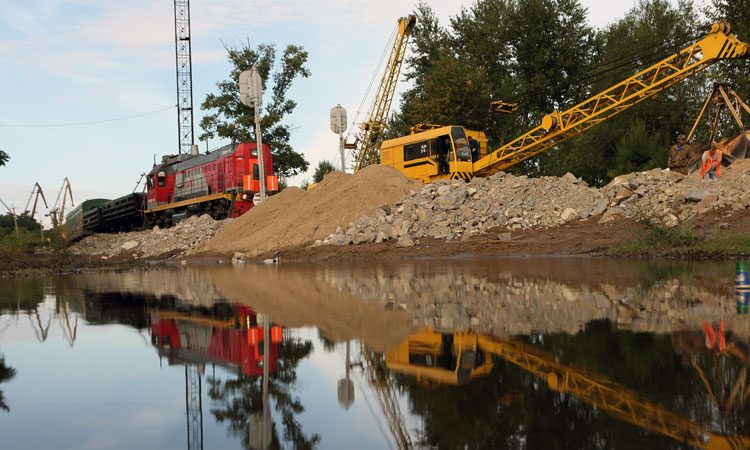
x=558 y=126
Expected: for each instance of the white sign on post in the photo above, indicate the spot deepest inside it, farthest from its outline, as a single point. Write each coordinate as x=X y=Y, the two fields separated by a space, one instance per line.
x=251 y=94
x=338 y=119
x=251 y=88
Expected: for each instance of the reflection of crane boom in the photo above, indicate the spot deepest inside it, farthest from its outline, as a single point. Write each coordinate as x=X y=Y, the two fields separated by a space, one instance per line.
x=615 y=399
x=590 y=387
x=378 y=378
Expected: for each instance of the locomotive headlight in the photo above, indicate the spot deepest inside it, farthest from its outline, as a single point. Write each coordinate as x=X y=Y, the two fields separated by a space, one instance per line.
x=244 y=196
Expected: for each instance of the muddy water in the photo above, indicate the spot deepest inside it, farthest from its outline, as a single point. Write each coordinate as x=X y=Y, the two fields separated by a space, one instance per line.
x=525 y=353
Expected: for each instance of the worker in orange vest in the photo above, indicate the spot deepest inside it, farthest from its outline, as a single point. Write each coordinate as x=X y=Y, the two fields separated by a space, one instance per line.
x=710 y=163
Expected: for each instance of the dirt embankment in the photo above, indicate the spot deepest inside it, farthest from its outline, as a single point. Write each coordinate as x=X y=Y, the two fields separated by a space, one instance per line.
x=379 y=213
x=295 y=217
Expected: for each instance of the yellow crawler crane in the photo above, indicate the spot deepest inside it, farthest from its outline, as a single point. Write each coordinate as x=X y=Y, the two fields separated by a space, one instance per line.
x=456 y=358
x=444 y=153
x=372 y=129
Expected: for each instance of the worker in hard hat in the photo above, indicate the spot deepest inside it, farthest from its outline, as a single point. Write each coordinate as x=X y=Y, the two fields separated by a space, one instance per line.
x=711 y=163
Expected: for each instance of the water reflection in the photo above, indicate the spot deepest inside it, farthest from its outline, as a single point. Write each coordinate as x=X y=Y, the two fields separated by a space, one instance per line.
x=6 y=374
x=442 y=356
x=457 y=358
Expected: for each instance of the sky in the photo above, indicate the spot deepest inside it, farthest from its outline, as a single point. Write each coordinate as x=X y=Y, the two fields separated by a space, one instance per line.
x=74 y=61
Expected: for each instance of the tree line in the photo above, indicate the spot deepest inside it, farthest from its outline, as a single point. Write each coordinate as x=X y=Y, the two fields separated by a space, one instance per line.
x=545 y=54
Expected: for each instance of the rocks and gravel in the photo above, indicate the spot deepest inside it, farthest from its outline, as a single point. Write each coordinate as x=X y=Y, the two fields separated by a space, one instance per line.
x=188 y=235
x=455 y=210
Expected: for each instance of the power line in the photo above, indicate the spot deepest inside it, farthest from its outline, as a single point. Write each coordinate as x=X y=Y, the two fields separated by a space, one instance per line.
x=93 y=122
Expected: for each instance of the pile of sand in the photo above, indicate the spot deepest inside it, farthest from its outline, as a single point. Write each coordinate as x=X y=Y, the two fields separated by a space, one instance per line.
x=296 y=217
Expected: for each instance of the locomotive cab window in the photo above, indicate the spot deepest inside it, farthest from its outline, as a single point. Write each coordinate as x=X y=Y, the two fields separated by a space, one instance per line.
x=150 y=181
x=161 y=179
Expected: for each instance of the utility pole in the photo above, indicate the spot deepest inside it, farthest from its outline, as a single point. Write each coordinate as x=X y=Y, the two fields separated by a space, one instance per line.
x=338 y=126
x=184 y=65
x=251 y=94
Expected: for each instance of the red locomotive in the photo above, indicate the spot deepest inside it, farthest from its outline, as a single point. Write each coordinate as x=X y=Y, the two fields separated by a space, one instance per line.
x=221 y=183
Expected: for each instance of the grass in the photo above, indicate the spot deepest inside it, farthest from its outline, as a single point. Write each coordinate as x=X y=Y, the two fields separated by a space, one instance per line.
x=683 y=241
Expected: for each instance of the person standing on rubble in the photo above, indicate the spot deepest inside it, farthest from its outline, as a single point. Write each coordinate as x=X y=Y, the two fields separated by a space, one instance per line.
x=679 y=156
x=711 y=163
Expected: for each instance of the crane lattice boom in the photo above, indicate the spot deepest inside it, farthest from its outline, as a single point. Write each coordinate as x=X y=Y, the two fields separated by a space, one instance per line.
x=560 y=126
x=372 y=129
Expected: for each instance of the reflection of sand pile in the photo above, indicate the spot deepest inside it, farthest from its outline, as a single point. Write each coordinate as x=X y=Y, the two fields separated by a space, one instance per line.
x=381 y=305
x=296 y=217
x=292 y=297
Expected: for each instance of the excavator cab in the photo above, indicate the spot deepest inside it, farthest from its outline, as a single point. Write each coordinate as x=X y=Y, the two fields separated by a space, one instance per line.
x=434 y=154
x=443 y=358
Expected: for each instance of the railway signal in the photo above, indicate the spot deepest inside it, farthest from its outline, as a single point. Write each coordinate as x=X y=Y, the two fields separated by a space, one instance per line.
x=251 y=94
x=338 y=126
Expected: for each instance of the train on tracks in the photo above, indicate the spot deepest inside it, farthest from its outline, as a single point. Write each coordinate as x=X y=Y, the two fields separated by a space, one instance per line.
x=222 y=183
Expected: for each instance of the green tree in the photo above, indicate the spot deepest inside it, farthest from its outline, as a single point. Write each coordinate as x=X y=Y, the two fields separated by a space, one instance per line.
x=323 y=169
x=230 y=119
x=25 y=222
x=4 y=158
x=653 y=30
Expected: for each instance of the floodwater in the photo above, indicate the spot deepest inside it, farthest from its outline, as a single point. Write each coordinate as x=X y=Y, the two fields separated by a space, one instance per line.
x=517 y=354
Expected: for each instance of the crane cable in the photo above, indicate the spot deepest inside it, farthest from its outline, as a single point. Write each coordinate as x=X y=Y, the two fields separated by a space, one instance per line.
x=389 y=44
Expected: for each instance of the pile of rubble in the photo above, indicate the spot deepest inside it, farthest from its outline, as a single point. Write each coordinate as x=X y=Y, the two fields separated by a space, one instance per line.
x=188 y=235
x=454 y=209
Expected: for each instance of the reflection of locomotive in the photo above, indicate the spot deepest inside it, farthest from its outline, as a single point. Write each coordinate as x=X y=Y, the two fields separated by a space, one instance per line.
x=226 y=335
x=221 y=183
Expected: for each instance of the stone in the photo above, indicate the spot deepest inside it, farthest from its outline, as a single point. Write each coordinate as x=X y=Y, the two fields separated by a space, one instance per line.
x=569 y=214
x=696 y=195
x=607 y=217
x=405 y=241
x=239 y=258
x=129 y=245
x=600 y=207
x=504 y=237
x=364 y=238
x=340 y=239
x=380 y=214
x=453 y=199
x=622 y=193
x=570 y=178
x=670 y=221
x=707 y=203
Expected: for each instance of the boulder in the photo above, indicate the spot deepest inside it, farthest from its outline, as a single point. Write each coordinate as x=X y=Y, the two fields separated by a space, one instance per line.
x=129 y=245
x=569 y=214
x=696 y=195
x=405 y=241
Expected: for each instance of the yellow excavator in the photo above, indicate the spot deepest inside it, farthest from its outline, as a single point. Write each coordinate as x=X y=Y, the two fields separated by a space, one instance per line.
x=443 y=152
x=456 y=358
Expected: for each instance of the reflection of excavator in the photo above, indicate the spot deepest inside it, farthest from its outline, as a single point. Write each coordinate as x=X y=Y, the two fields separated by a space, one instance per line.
x=456 y=358
x=225 y=335
x=689 y=345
